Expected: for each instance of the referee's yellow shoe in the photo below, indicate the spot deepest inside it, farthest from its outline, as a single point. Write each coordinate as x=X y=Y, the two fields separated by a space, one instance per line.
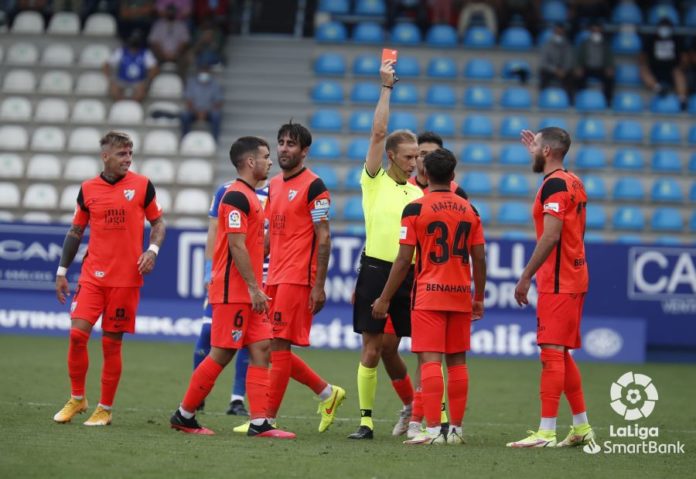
x=327 y=408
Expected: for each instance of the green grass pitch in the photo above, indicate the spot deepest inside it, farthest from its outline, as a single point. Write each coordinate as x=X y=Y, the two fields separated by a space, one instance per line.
x=503 y=404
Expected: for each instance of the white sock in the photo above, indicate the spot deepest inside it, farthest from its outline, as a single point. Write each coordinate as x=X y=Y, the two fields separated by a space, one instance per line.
x=326 y=392
x=548 y=424
x=185 y=413
x=236 y=397
x=107 y=408
x=77 y=398
x=259 y=421
x=580 y=418
x=433 y=431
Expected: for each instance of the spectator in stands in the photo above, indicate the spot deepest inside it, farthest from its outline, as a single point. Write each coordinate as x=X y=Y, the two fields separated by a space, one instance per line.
x=130 y=69
x=412 y=8
x=13 y=7
x=217 y=11
x=660 y=62
x=596 y=60
x=442 y=11
x=208 y=45
x=690 y=67
x=135 y=15
x=557 y=62
x=580 y=12
x=480 y=11
x=169 y=39
x=204 y=99
x=183 y=8
x=526 y=11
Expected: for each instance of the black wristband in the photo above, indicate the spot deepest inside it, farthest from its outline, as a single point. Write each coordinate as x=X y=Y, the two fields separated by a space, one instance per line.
x=391 y=87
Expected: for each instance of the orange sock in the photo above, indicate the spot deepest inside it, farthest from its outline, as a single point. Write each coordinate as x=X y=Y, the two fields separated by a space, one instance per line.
x=433 y=387
x=573 y=385
x=78 y=361
x=257 y=383
x=202 y=381
x=111 y=370
x=457 y=392
x=417 y=410
x=404 y=389
x=303 y=374
x=552 y=381
x=279 y=377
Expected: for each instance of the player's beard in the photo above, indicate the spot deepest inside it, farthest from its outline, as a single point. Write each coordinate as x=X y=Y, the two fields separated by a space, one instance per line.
x=290 y=162
x=538 y=165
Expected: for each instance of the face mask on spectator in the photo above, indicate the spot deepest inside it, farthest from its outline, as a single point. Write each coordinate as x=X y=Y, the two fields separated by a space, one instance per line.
x=596 y=37
x=664 y=32
x=557 y=38
x=204 y=77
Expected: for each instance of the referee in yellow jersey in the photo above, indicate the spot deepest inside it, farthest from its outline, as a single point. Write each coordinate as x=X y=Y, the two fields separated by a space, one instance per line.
x=385 y=193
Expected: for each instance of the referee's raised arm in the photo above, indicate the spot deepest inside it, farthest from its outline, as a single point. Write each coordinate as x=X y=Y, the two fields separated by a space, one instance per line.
x=378 y=136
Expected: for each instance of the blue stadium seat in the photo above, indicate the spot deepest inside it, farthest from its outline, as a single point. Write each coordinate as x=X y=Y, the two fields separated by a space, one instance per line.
x=692 y=192
x=370 y=7
x=484 y=210
x=408 y=66
x=514 y=213
x=627 y=102
x=514 y=154
x=691 y=105
x=326 y=148
x=594 y=237
x=665 y=133
x=366 y=65
x=353 y=179
x=367 y=33
x=516 y=38
x=512 y=68
x=667 y=219
x=440 y=123
x=360 y=121
x=553 y=98
x=406 y=34
x=626 y=43
x=355 y=229
x=629 y=239
x=628 y=74
x=692 y=135
x=553 y=11
x=628 y=159
x=661 y=10
x=628 y=131
x=516 y=235
x=629 y=189
x=479 y=37
x=357 y=149
x=477 y=154
x=328 y=176
x=596 y=218
x=590 y=101
x=331 y=32
x=326 y=120
x=692 y=163
x=480 y=69
x=480 y=97
x=666 y=190
x=327 y=91
x=513 y=184
x=405 y=94
x=479 y=126
x=441 y=95
x=591 y=129
x=477 y=183
x=590 y=157
x=627 y=13
x=441 y=36
x=334 y=6
x=665 y=104
x=667 y=161
x=553 y=121
x=692 y=222
x=629 y=218
x=330 y=64
x=511 y=126
x=353 y=210
x=516 y=98
x=544 y=36
x=365 y=92
x=690 y=18
x=403 y=120
x=442 y=67
x=595 y=187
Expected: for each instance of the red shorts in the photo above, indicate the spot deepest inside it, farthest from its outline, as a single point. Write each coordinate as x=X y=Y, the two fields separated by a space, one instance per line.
x=446 y=332
x=290 y=313
x=236 y=325
x=389 y=326
x=558 y=319
x=116 y=306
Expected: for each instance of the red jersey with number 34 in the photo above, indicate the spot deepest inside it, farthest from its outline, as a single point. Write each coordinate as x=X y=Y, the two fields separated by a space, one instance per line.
x=443 y=227
x=563 y=196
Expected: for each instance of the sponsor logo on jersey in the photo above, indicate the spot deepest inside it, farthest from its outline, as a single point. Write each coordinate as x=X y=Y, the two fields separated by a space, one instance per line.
x=99 y=274
x=323 y=203
x=404 y=232
x=129 y=194
x=552 y=207
x=234 y=220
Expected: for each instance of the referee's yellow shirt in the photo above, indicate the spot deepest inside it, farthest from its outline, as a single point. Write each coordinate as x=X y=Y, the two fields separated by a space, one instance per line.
x=383 y=202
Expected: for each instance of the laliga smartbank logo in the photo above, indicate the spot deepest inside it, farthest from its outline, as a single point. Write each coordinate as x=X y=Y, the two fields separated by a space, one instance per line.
x=633 y=397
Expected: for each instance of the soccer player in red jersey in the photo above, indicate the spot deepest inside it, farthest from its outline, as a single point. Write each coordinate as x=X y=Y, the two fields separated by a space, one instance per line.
x=445 y=231
x=114 y=205
x=561 y=272
x=240 y=307
x=428 y=142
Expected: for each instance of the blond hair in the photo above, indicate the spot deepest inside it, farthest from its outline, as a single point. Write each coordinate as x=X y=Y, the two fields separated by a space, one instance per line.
x=398 y=137
x=115 y=139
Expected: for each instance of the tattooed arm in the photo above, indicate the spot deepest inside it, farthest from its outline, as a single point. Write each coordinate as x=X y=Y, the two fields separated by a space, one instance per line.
x=70 y=246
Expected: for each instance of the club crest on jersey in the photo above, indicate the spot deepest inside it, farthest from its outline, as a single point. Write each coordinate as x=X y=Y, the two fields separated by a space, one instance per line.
x=234 y=220
x=237 y=335
x=552 y=207
x=129 y=194
x=73 y=305
x=292 y=194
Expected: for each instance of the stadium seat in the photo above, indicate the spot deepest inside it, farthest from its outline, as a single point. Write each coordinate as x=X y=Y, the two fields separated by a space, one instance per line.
x=629 y=189
x=56 y=81
x=360 y=121
x=596 y=218
x=591 y=129
x=594 y=237
x=553 y=121
x=553 y=98
x=365 y=93
x=403 y=120
x=691 y=107
x=80 y=168
x=91 y=83
x=195 y=172
x=326 y=120
x=331 y=32
x=22 y=53
x=692 y=222
x=627 y=102
x=666 y=190
x=484 y=210
x=626 y=42
x=590 y=157
x=167 y=85
x=11 y=165
x=629 y=218
x=404 y=34
x=692 y=163
x=43 y=166
x=190 y=223
x=405 y=94
x=197 y=143
x=58 y=54
x=478 y=97
x=325 y=148
x=667 y=219
x=52 y=110
x=159 y=170
x=353 y=179
x=94 y=55
x=340 y=7
x=627 y=74
x=375 y=8
x=477 y=154
x=665 y=133
x=353 y=210
x=516 y=98
x=357 y=149
x=365 y=33
x=41 y=196
x=544 y=36
x=553 y=11
x=692 y=135
x=628 y=131
x=408 y=66
x=328 y=176
x=442 y=68
x=477 y=183
x=441 y=96
x=479 y=37
x=13 y=137
x=594 y=187
x=37 y=217
x=9 y=195
x=88 y=111
x=19 y=81
x=511 y=126
x=68 y=197
x=627 y=13
x=160 y=142
x=628 y=159
x=665 y=104
x=479 y=69
x=690 y=17
x=441 y=36
x=48 y=138
x=666 y=160
x=15 y=108
x=514 y=154
x=477 y=126
x=512 y=69
x=28 y=22
x=516 y=39
x=164 y=199
x=514 y=213
x=440 y=123
x=330 y=63
x=100 y=24
x=327 y=91
x=516 y=235
x=366 y=65
x=692 y=192
x=514 y=184
x=661 y=10
x=191 y=201
x=126 y=112
x=590 y=101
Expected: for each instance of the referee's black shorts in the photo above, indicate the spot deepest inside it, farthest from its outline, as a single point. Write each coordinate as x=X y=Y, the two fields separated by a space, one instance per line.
x=372 y=277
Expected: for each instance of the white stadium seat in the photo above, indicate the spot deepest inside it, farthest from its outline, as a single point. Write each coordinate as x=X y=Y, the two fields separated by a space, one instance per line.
x=195 y=172
x=43 y=166
x=68 y=198
x=19 y=81
x=198 y=143
x=88 y=111
x=28 y=22
x=48 y=138
x=101 y=24
x=64 y=23
x=192 y=201
x=66 y=219
x=134 y=136
x=190 y=223
x=56 y=81
x=164 y=199
x=172 y=110
x=92 y=83
x=9 y=195
x=159 y=170
x=15 y=108
x=13 y=137
x=58 y=54
x=40 y=196
x=126 y=112
x=38 y=217
x=95 y=55
x=80 y=168
x=11 y=165
x=23 y=53
x=160 y=142
x=6 y=217
x=84 y=140
x=52 y=110
x=167 y=85
x=2 y=53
